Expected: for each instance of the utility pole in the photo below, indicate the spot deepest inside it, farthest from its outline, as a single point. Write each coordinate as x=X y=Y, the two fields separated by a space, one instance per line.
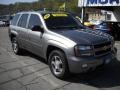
x=105 y=15
x=65 y=5
x=83 y=12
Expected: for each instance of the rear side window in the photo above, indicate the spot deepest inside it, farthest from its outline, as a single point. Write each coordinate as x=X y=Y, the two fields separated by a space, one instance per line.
x=34 y=20
x=23 y=20
x=15 y=19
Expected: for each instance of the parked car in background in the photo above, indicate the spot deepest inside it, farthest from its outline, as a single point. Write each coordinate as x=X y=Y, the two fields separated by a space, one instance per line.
x=6 y=19
x=2 y=23
x=89 y=24
x=112 y=28
x=95 y=22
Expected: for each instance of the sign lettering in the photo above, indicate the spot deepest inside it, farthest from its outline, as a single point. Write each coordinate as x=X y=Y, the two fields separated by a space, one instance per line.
x=102 y=1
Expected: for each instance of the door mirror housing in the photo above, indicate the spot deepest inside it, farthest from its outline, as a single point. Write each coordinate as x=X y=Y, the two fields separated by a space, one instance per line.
x=38 y=28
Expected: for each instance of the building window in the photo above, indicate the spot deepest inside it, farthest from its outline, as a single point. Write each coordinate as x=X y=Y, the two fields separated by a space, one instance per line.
x=108 y=16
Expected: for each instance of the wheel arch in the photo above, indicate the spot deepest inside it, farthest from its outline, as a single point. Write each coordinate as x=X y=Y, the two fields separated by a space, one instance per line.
x=12 y=36
x=50 y=48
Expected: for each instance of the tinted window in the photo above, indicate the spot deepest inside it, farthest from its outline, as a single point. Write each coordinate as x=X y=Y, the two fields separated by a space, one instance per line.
x=15 y=19
x=34 y=20
x=23 y=20
x=60 y=21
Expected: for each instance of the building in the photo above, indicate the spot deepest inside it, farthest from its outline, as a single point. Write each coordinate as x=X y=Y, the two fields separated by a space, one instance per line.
x=93 y=14
x=108 y=9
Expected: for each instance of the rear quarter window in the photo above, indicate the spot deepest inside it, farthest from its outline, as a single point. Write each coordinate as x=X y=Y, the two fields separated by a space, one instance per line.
x=15 y=19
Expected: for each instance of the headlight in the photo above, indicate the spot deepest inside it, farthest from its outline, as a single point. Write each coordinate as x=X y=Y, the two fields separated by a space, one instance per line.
x=84 y=48
x=83 y=51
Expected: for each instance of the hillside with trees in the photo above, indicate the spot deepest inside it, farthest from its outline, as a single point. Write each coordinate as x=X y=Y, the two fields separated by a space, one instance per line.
x=54 y=5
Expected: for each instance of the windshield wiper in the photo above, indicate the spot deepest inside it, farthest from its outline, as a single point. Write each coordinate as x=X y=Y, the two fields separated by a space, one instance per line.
x=65 y=27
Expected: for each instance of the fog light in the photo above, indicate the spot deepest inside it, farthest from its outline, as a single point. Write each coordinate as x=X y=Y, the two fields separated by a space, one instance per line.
x=107 y=61
x=84 y=66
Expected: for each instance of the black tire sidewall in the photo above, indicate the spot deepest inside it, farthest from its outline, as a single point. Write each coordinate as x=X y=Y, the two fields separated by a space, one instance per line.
x=18 y=50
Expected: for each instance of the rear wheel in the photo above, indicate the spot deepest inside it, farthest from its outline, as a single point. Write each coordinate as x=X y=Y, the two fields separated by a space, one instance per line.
x=15 y=46
x=58 y=64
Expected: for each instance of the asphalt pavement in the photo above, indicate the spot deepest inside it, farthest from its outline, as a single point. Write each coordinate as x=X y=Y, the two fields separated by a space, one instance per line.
x=30 y=72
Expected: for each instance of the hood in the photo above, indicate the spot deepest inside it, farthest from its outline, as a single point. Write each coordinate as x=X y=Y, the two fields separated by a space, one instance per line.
x=85 y=36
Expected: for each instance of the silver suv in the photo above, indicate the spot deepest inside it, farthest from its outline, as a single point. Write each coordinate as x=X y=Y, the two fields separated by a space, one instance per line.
x=62 y=41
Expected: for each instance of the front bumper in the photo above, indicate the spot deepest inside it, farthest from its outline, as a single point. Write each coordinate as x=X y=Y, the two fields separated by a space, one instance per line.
x=79 y=65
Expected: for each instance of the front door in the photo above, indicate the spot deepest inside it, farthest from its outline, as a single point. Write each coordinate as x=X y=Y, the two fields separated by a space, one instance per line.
x=35 y=37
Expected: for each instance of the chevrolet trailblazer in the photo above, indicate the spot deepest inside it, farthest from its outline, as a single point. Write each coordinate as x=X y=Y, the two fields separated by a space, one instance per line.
x=62 y=41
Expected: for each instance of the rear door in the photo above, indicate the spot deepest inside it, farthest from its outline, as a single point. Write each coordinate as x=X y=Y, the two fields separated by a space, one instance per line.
x=22 y=31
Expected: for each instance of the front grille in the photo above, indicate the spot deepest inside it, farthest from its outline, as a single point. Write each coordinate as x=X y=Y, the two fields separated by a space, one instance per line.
x=102 y=49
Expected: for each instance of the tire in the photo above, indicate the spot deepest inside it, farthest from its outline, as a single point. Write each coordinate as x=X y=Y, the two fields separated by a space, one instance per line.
x=58 y=64
x=15 y=46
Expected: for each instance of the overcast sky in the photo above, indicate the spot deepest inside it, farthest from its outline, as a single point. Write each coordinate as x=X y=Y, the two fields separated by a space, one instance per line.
x=13 y=1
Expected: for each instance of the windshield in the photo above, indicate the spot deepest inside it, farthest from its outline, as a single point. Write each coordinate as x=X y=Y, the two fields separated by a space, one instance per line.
x=61 y=21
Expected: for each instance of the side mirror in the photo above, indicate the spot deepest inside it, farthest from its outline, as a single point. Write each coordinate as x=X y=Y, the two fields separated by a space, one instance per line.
x=37 y=28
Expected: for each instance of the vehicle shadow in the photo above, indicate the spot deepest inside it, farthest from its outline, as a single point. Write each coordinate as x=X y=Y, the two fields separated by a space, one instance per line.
x=29 y=54
x=105 y=77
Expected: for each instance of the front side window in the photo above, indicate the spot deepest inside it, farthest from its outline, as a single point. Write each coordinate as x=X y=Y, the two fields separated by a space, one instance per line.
x=23 y=20
x=34 y=21
x=60 y=21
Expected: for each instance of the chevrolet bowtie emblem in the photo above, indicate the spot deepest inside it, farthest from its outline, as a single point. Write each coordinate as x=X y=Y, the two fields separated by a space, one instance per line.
x=104 y=48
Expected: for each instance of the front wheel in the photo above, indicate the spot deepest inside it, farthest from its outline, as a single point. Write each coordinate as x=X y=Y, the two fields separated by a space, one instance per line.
x=58 y=64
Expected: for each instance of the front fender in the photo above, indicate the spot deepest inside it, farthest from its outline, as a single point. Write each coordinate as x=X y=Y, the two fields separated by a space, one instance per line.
x=64 y=47
x=57 y=44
